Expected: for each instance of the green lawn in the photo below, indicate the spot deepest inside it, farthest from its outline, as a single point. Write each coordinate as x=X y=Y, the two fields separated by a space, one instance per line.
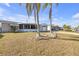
x=67 y=43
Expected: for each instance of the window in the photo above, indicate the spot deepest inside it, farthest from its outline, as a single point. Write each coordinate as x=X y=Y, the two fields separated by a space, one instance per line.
x=20 y=26
x=26 y=26
x=33 y=26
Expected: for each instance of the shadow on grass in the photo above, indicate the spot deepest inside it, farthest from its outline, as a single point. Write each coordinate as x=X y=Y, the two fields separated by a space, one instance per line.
x=45 y=38
x=1 y=36
x=70 y=39
x=42 y=38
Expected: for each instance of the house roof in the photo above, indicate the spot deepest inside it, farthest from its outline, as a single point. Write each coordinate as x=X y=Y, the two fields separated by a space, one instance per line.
x=10 y=22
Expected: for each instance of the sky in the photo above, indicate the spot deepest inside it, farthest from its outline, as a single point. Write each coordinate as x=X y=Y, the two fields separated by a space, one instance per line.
x=64 y=13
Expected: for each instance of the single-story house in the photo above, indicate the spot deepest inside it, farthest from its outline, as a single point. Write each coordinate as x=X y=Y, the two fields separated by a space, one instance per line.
x=54 y=28
x=31 y=27
x=6 y=26
x=76 y=29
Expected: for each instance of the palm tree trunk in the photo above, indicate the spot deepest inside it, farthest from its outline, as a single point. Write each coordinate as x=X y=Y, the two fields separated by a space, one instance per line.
x=50 y=19
x=35 y=18
x=50 y=27
x=38 y=26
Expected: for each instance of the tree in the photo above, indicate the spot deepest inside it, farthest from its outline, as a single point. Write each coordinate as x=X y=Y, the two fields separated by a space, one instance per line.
x=50 y=14
x=36 y=13
x=67 y=27
x=76 y=28
x=30 y=7
x=13 y=28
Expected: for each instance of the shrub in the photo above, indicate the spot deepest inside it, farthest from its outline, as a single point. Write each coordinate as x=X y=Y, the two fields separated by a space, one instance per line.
x=13 y=28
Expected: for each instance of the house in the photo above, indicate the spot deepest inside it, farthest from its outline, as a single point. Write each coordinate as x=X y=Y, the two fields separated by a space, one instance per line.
x=5 y=26
x=31 y=27
x=23 y=27
x=54 y=28
x=76 y=29
x=43 y=27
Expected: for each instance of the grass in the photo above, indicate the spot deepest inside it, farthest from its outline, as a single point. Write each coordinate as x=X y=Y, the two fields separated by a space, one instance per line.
x=1 y=35
x=24 y=44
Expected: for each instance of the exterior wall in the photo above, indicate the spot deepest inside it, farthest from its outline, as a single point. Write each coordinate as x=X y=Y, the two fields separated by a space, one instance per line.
x=6 y=27
x=54 y=28
x=43 y=28
x=22 y=28
x=27 y=30
x=32 y=30
x=0 y=27
x=48 y=28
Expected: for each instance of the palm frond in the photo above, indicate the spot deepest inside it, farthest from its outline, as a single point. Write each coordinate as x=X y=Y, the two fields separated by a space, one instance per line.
x=50 y=12
x=45 y=6
x=38 y=7
x=29 y=8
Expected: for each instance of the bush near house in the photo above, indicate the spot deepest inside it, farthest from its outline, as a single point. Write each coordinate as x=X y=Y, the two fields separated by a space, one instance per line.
x=13 y=28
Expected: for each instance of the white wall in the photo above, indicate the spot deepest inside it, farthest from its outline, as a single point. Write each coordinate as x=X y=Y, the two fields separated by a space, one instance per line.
x=0 y=27
x=27 y=30
x=6 y=27
x=43 y=28
x=48 y=28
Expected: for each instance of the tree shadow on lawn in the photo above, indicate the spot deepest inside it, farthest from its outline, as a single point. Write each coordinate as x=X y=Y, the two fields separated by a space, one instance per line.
x=1 y=36
x=70 y=39
x=45 y=38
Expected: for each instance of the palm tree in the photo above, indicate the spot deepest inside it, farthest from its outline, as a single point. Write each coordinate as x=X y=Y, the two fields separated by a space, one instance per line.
x=50 y=18
x=30 y=7
x=36 y=16
x=50 y=14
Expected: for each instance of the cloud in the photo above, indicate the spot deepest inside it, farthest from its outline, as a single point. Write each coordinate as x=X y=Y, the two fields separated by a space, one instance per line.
x=20 y=18
x=25 y=18
x=75 y=16
x=53 y=18
x=7 y=4
x=7 y=15
x=2 y=11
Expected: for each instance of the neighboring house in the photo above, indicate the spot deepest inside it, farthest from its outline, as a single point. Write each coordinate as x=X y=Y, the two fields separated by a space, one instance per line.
x=43 y=27
x=76 y=29
x=54 y=28
x=5 y=26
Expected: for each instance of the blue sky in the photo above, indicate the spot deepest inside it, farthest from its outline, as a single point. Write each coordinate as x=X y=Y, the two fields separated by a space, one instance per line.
x=63 y=14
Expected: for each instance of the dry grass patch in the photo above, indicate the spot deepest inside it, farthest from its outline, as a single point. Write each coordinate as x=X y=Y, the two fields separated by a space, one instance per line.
x=26 y=44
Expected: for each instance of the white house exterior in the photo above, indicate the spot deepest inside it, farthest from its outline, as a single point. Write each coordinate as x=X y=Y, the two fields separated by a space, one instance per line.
x=54 y=28
x=5 y=26
x=43 y=27
x=31 y=27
